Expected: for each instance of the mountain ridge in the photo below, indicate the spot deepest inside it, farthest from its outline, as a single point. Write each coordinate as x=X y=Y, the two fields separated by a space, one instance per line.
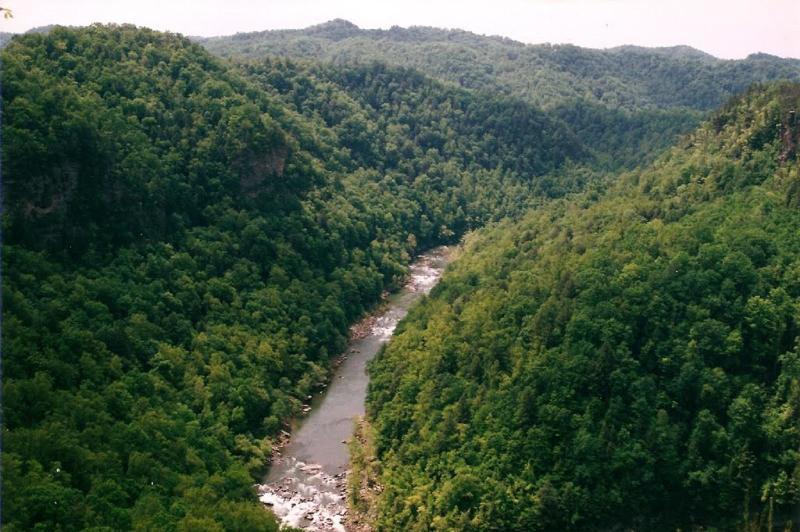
x=547 y=75
x=343 y=28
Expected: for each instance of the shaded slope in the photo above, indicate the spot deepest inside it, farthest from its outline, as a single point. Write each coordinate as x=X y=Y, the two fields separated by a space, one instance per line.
x=398 y=120
x=628 y=103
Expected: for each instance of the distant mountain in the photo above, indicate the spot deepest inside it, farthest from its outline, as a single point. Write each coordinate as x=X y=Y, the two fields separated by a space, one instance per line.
x=676 y=52
x=45 y=29
x=5 y=37
x=626 y=77
x=336 y=30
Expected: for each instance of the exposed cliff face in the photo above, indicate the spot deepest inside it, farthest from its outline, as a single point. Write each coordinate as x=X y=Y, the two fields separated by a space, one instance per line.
x=790 y=142
x=122 y=147
x=790 y=136
x=262 y=170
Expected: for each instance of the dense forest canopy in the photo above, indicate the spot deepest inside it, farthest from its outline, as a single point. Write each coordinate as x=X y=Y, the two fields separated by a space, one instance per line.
x=624 y=361
x=632 y=102
x=186 y=240
x=547 y=75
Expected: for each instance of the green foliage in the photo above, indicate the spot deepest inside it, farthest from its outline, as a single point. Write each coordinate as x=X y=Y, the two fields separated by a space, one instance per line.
x=186 y=243
x=623 y=139
x=478 y=156
x=547 y=75
x=627 y=361
x=627 y=103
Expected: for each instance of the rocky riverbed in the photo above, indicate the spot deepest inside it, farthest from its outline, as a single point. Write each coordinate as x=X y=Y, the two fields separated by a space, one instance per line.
x=306 y=484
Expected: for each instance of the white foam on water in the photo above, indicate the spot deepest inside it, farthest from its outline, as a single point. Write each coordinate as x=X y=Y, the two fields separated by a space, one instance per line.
x=384 y=326
x=423 y=276
x=306 y=496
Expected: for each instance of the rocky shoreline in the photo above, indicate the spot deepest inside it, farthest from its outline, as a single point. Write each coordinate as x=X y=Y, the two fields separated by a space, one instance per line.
x=306 y=505
x=299 y=505
x=307 y=495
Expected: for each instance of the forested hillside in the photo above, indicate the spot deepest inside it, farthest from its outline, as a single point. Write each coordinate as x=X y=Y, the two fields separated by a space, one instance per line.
x=441 y=116
x=547 y=75
x=186 y=242
x=632 y=102
x=187 y=239
x=628 y=360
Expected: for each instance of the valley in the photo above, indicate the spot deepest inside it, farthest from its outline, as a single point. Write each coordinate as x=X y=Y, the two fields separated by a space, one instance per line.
x=193 y=227
x=307 y=480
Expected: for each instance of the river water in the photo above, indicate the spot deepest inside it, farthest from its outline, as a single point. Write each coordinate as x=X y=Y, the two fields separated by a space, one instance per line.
x=306 y=483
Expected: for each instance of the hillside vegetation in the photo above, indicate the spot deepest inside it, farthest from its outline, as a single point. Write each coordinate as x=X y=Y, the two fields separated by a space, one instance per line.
x=631 y=102
x=186 y=240
x=186 y=244
x=547 y=75
x=628 y=361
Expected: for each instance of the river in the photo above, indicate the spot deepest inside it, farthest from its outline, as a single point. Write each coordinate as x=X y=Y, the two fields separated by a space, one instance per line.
x=306 y=484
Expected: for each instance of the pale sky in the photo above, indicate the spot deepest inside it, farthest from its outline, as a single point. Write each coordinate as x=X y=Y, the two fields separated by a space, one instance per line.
x=725 y=28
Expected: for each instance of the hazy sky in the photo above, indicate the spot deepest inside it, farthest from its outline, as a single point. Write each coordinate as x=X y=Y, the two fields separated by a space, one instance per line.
x=725 y=28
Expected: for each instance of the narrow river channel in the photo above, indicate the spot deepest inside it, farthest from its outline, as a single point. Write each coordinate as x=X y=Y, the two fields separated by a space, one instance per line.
x=306 y=483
